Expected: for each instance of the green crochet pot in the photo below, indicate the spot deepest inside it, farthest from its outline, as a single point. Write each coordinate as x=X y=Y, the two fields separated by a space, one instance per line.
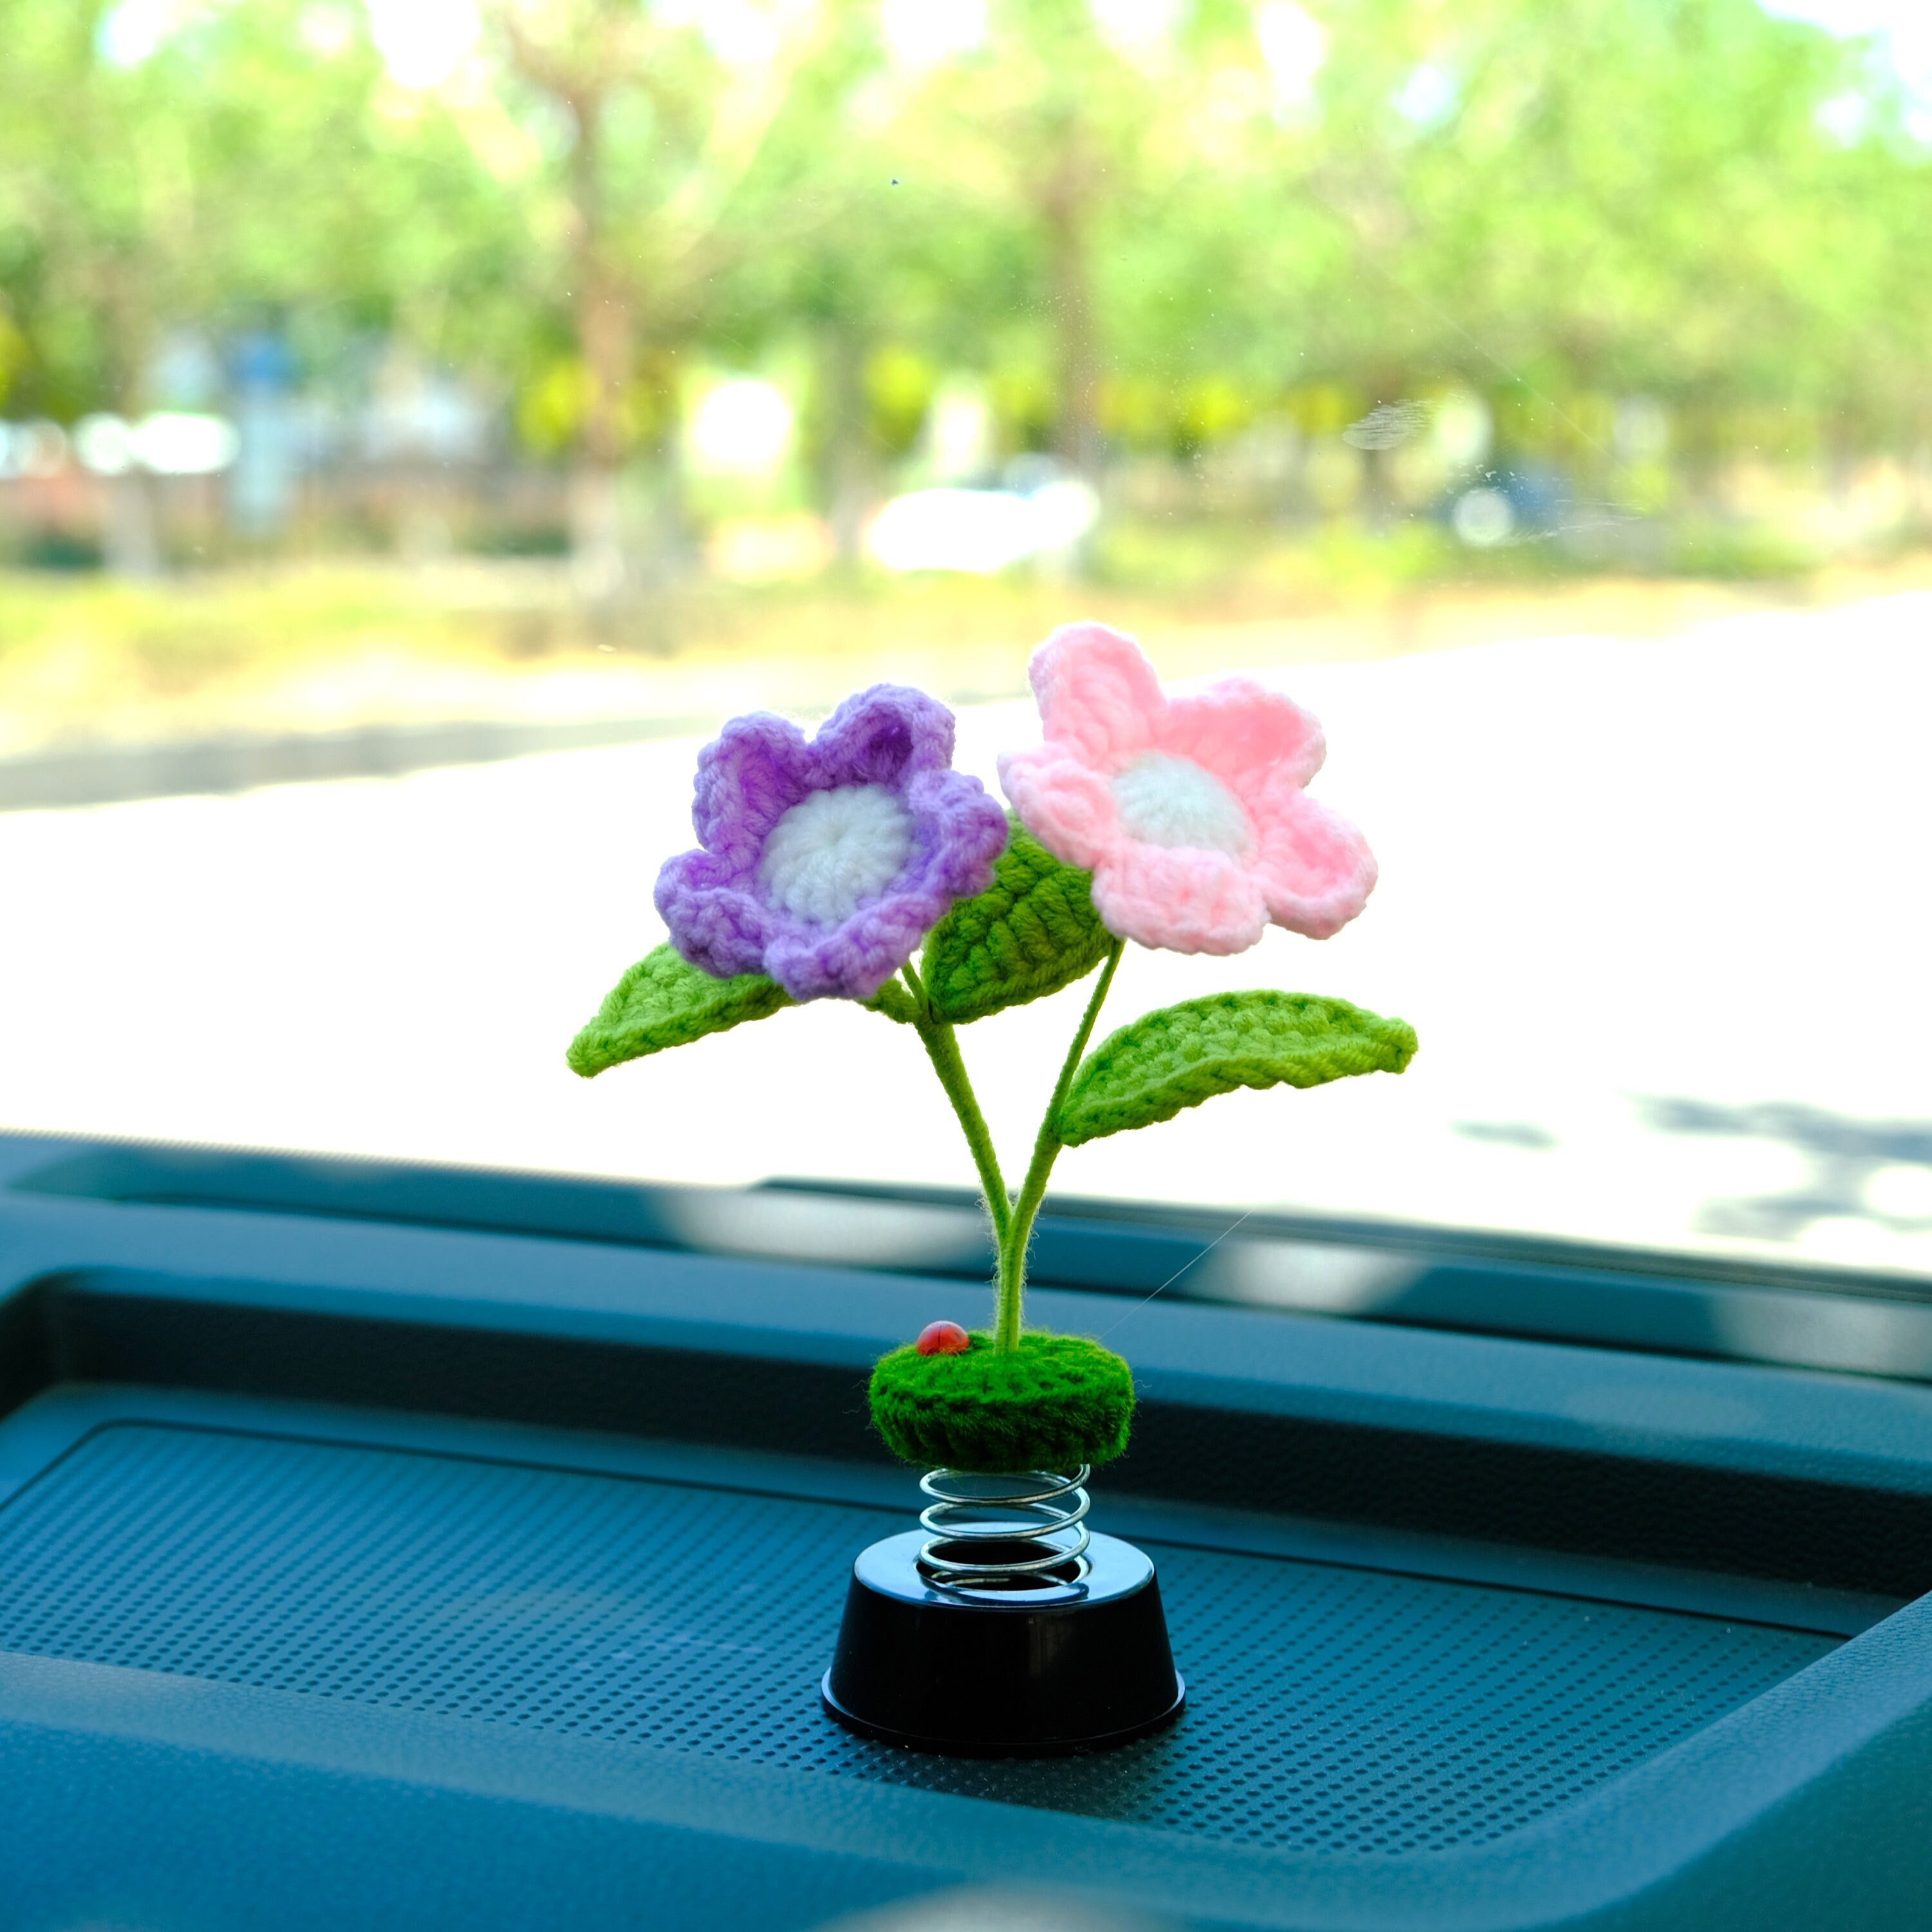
x=1053 y=1402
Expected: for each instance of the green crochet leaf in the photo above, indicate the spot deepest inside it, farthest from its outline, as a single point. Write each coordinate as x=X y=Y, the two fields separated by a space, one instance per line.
x=663 y=1001
x=1032 y=931
x=1179 y=1056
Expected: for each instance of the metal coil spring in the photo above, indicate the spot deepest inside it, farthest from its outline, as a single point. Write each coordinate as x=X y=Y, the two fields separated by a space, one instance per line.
x=1035 y=1509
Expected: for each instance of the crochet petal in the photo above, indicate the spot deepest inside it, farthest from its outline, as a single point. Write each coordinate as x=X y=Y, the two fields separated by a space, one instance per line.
x=748 y=776
x=1099 y=697
x=714 y=923
x=724 y=920
x=880 y=737
x=1067 y=806
x=1243 y=734
x=1314 y=869
x=853 y=960
x=1180 y=899
x=962 y=831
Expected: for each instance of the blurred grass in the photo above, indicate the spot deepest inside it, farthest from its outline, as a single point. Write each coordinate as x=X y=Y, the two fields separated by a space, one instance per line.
x=316 y=646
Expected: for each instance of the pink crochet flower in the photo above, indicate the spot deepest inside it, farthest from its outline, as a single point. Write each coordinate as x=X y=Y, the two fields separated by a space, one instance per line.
x=1189 y=811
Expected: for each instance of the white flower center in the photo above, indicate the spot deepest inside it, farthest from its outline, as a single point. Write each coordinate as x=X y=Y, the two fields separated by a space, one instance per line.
x=833 y=851
x=1169 y=801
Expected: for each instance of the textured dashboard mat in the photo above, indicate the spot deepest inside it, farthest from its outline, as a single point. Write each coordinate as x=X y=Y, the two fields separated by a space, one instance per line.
x=1330 y=1708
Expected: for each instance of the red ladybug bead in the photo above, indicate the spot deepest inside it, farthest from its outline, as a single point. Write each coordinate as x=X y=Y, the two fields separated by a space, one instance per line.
x=943 y=1338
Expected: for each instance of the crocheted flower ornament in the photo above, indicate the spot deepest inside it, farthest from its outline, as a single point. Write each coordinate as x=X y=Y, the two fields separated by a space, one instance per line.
x=824 y=864
x=1190 y=811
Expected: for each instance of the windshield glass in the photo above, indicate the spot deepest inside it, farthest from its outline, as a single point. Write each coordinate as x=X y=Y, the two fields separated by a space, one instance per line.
x=425 y=422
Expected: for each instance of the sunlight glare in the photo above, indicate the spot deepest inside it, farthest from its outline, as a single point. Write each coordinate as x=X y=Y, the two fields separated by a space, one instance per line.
x=130 y=33
x=922 y=33
x=422 y=41
x=743 y=428
x=1137 y=26
x=1293 y=45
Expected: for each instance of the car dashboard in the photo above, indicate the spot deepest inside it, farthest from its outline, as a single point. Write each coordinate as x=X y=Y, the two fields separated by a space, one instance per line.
x=406 y=1547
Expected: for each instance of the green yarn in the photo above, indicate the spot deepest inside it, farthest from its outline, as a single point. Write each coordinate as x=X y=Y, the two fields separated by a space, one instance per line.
x=664 y=1001
x=1179 y=1056
x=1053 y=1402
x=1032 y=931
x=896 y=1003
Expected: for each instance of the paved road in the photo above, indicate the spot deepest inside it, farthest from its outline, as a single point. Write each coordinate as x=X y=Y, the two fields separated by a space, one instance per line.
x=1657 y=909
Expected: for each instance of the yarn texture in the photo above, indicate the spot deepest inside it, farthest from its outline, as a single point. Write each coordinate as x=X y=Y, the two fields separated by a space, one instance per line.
x=825 y=863
x=1053 y=1403
x=833 y=851
x=1179 y=1056
x=823 y=866
x=1032 y=931
x=1190 y=812
x=662 y=1002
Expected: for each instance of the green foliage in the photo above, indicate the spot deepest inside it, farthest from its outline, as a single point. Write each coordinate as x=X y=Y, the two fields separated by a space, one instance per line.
x=661 y=1002
x=1053 y=1402
x=1032 y=931
x=240 y=170
x=898 y=388
x=1701 y=547
x=1179 y=1056
x=1026 y=406
x=1691 y=199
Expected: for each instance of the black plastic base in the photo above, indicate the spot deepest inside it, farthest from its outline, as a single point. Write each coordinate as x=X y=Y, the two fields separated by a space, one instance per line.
x=1061 y=1666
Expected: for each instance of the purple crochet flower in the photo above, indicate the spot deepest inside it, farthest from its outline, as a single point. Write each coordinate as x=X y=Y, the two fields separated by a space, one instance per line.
x=825 y=864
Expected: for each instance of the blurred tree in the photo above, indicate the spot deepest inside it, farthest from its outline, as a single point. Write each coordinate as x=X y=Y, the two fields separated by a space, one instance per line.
x=834 y=248
x=1617 y=196
x=1191 y=210
x=95 y=202
x=249 y=167
x=1042 y=130
x=659 y=118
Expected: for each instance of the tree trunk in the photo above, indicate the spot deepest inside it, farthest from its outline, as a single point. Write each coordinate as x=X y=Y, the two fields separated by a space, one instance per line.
x=600 y=561
x=1077 y=435
x=846 y=477
x=130 y=543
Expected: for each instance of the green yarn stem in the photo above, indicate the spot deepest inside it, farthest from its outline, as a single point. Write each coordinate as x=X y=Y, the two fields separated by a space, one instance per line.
x=1012 y=1220
x=1018 y=1233
x=942 y=1048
